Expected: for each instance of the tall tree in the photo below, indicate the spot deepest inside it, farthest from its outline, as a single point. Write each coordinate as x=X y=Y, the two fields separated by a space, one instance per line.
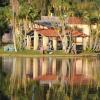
x=4 y=17
x=15 y=7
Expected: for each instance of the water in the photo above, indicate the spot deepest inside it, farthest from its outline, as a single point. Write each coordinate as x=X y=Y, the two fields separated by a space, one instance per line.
x=49 y=78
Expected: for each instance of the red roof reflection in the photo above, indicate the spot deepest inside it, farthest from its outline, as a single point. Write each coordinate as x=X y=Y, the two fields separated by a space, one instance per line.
x=73 y=80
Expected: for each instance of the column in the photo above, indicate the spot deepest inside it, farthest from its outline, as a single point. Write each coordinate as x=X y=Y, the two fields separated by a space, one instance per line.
x=36 y=40
x=45 y=42
x=54 y=66
x=28 y=67
x=44 y=66
x=55 y=43
x=86 y=68
x=64 y=67
x=63 y=70
x=35 y=68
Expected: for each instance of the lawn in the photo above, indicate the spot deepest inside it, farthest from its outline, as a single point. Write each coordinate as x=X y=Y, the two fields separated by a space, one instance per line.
x=32 y=53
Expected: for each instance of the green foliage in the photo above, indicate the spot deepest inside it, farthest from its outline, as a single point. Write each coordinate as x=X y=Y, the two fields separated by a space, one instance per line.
x=24 y=10
x=28 y=11
x=22 y=1
x=33 y=14
x=4 y=20
x=89 y=50
x=56 y=92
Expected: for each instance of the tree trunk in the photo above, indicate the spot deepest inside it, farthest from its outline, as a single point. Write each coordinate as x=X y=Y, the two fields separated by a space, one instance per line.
x=13 y=31
x=97 y=31
x=97 y=38
x=91 y=38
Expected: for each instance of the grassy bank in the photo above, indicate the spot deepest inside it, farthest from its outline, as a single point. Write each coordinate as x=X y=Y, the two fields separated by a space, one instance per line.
x=32 y=53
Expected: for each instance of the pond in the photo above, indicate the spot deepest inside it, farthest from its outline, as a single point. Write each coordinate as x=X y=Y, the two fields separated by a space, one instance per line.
x=49 y=78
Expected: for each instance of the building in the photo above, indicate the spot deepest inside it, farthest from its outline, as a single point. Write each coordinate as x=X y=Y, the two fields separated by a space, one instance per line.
x=51 y=38
x=76 y=22
x=45 y=32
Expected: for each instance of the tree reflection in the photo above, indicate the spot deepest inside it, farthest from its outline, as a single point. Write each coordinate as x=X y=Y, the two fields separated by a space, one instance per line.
x=50 y=78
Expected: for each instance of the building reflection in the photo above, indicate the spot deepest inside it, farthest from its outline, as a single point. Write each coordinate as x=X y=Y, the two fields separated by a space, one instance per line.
x=50 y=70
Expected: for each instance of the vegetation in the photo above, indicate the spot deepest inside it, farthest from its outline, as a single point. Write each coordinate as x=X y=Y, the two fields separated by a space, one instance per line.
x=56 y=91
x=86 y=10
x=4 y=20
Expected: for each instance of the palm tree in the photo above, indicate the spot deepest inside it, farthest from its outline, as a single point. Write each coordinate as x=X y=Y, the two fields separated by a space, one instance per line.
x=15 y=6
x=97 y=14
x=60 y=6
x=88 y=11
x=3 y=22
x=65 y=10
x=27 y=14
x=24 y=14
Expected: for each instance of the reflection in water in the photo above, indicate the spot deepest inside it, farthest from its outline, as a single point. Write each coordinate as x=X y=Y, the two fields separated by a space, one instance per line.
x=20 y=73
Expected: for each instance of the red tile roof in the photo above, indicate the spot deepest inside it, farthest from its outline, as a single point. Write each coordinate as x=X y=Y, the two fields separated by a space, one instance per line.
x=48 y=32
x=75 y=80
x=48 y=77
x=54 y=33
x=74 y=20
x=80 y=79
x=76 y=33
